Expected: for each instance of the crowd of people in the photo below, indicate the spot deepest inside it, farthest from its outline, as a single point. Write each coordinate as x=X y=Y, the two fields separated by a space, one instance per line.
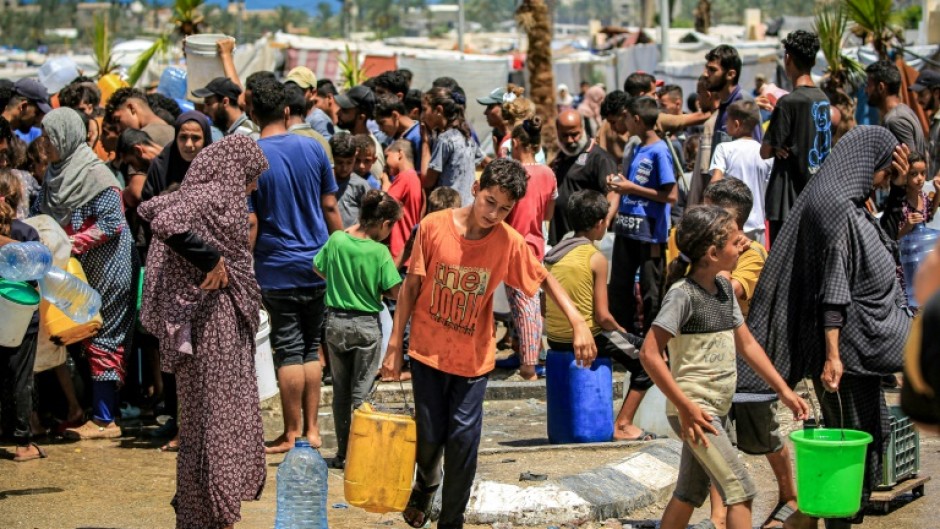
x=328 y=208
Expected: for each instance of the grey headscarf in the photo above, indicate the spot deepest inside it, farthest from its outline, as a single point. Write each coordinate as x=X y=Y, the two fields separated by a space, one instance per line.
x=79 y=175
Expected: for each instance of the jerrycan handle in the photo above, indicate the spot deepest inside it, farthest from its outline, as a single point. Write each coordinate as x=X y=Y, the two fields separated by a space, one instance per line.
x=375 y=386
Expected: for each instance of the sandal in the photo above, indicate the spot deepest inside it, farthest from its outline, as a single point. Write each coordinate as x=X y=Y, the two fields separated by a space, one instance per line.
x=170 y=448
x=644 y=436
x=780 y=514
x=419 y=505
x=40 y=455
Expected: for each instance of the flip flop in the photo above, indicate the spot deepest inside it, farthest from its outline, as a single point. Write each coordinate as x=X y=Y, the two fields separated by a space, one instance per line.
x=780 y=514
x=41 y=455
x=644 y=436
x=169 y=448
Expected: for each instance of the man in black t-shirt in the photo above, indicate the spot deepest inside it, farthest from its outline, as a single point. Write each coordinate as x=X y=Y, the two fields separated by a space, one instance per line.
x=581 y=164
x=800 y=133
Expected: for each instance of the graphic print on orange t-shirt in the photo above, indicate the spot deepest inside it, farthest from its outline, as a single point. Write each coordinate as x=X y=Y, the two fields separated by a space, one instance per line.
x=457 y=295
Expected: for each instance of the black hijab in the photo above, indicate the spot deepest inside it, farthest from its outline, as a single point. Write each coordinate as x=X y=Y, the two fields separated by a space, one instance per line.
x=169 y=167
x=832 y=252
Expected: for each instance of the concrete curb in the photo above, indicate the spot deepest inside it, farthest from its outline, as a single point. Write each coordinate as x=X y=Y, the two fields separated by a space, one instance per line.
x=612 y=491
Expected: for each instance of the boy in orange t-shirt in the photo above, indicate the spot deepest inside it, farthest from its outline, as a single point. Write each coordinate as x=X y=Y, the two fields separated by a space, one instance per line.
x=460 y=256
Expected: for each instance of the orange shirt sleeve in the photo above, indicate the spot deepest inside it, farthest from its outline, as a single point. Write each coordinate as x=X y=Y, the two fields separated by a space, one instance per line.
x=525 y=272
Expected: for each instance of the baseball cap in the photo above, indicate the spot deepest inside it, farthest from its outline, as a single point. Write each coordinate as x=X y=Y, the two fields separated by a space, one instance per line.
x=495 y=97
x=302 y=77
x=926 y=79
x=360 y=97
x=34 y=92
x=221 y=87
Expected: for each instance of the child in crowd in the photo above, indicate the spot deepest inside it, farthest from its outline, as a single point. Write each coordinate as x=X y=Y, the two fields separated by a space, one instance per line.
x=352 y=187
x=641 y=231
x=406 y=189
x=365 y=159
x=455 y=155
x=16 y=363
x=528 y=218
x=460 y=257
x=701 y=321
x=394 y=121
x=917 y=207
x=581 y=269
x=741 y=159
x=753 y=416
x=642 y=222
x=354 y=299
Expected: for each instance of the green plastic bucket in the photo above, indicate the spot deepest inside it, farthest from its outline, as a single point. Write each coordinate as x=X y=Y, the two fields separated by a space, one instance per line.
x=830 y=467
x=18 y=302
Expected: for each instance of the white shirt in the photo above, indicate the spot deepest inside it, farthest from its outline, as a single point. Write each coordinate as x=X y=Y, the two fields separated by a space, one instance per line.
x=741 y=159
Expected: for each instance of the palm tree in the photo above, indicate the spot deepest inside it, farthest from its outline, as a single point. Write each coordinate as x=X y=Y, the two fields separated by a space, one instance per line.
x=324 y=19
x=187 y=17
x=101 y=48
x=874 y=22
x=831 y=24
x=534 y=17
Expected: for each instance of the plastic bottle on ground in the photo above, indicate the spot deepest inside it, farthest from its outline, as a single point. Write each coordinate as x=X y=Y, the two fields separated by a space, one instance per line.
x=24 y=261
x=301 y=489
x=70 y=294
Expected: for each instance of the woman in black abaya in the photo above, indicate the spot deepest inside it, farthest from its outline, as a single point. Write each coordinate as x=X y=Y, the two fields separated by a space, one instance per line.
x=828 y=305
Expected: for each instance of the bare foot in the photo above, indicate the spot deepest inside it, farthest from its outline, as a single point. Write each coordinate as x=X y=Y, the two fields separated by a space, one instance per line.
x=627 y=432
x=801 y=521
x=313 y=437
x=528 y=373
x=281 y=445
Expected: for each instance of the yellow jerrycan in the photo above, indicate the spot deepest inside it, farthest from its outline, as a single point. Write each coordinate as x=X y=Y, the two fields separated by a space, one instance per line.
x=61 y=329
x=380 y=459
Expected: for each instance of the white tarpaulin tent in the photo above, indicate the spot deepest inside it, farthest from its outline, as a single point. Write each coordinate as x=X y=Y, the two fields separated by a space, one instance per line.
x=478 y=75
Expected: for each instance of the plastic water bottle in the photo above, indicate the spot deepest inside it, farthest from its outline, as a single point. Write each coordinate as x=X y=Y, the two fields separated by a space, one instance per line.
x=24 y=261
x=70 y=294
x=301 y=489
x=914 y=248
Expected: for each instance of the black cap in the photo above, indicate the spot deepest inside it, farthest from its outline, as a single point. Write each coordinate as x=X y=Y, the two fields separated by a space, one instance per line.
x=926 y=80
x=34 y=92
x=221 y=87
x=360 y=97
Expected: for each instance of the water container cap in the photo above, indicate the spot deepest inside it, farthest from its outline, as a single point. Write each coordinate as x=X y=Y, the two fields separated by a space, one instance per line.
x=301 y=442
x=19 y=293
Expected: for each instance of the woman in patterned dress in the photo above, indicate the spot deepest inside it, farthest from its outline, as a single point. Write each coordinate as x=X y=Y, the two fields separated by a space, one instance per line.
x=202 y=302
x=81 y=193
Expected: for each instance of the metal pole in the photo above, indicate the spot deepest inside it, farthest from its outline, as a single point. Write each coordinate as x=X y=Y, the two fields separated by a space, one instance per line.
x=664 y=31
x=460 y=23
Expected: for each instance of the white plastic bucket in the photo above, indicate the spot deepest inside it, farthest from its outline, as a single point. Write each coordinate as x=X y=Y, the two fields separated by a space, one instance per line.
x=651 y=415
x=202 y=60
x=17 y=313
x=264 y=360
x=500 y=301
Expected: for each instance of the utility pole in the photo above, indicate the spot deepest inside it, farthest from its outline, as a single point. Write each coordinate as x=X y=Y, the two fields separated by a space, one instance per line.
x=664 y=16
x=460 y=25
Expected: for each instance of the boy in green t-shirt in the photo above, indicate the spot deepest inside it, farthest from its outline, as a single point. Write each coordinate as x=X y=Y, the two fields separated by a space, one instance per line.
x=358 y=270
